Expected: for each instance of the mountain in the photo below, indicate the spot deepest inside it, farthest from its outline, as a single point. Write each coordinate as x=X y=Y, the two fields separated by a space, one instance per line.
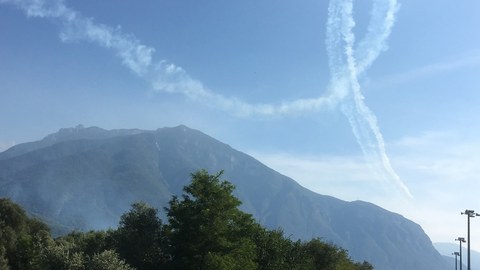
x=67 y=134
x=85 y=178
x=446 y=249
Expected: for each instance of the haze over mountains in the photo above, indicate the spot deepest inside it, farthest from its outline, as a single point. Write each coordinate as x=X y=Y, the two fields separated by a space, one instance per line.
x=85 y=178
x=446 y=249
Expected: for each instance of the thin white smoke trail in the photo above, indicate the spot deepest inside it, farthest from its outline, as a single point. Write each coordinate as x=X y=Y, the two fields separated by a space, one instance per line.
x=163 y=76
x=363 y=121
x=346 y=64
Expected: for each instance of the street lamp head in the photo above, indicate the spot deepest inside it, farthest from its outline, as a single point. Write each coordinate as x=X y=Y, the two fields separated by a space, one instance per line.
x=456 y=253
x=460 y=239
x=470 y=213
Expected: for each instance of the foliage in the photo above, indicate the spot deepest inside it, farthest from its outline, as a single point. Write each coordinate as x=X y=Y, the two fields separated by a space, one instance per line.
x=3 y=259
x=325 y=256
x=205 y=230
x=363 y=266
x=90 y=243
x=108 y=260
x=140 y=238
x=274 y=251
x=20 y=237
x=61 y=255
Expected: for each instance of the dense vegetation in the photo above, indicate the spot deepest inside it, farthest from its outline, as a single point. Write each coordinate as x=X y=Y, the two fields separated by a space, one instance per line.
x=205 y=230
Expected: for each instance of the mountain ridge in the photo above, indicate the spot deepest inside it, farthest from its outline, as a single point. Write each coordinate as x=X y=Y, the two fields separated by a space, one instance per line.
x=66 y=134
x=105 y=172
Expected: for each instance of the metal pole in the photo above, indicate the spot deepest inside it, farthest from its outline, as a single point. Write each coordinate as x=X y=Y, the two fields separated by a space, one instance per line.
x=455 y=261
x=461 y=240
x=469 y=213
x=456 y=255
x=468 y=242
x=461 y=265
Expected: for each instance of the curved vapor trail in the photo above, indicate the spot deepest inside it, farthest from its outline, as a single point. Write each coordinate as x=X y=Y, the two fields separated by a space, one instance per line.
x=346 y=62
x=363 y=121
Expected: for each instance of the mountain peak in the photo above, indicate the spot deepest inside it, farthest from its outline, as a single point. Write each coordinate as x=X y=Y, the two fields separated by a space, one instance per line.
x=78 y=131
x=77 y=128
x=86 y=177
x=180 y=128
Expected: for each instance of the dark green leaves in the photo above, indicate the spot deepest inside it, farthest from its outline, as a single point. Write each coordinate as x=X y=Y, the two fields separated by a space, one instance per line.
x=205 y=230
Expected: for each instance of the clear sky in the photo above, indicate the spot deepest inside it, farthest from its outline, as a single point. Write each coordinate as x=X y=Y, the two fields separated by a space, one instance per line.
x=370 y=100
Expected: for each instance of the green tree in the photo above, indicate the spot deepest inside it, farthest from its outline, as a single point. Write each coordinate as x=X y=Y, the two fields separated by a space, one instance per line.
x=21 y=237
x=207 y=230
x=108 y=260
x=89 y=243
x=140 y=239
x=3 y=258
x=364 y=266
x=274 y=251
x=327 y=256
x=62 y=255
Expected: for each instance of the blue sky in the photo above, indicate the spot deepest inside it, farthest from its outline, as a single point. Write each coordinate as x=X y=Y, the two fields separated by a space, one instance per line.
x=248 y=72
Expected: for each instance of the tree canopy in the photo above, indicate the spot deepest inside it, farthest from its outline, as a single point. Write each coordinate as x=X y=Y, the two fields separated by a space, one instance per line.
x=205 y=230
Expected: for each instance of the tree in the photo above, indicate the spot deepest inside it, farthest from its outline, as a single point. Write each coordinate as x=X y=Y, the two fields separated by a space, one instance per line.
x=3 y=258
x=364 y=266
x=108 y=260
x=275 y=252
x=207 y=230
x=90 y=243
x=140 y=238
x=325 y=256
x=61 y=255
x=21 y=237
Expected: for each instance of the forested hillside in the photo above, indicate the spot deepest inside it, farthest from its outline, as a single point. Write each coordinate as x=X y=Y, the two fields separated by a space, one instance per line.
x=205 y=230
x=86 y=178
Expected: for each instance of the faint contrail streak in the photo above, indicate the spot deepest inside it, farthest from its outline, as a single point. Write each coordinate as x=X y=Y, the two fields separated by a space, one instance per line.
x=346 y=62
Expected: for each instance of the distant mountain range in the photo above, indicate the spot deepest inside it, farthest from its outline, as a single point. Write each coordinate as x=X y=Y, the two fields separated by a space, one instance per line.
x=446 y=249
x=85 y=178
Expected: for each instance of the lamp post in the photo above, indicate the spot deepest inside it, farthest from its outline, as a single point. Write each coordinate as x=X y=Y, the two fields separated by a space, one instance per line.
x=461 y=240
x=470 y=214
x=456 y=255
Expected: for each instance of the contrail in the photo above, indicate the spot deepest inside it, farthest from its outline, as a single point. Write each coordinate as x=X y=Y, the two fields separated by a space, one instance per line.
x=350 y=64
x=163 y=76
x=346 y=63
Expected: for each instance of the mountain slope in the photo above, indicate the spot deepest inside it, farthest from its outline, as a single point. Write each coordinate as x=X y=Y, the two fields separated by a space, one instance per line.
x=89 y=178
x=446 y=249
